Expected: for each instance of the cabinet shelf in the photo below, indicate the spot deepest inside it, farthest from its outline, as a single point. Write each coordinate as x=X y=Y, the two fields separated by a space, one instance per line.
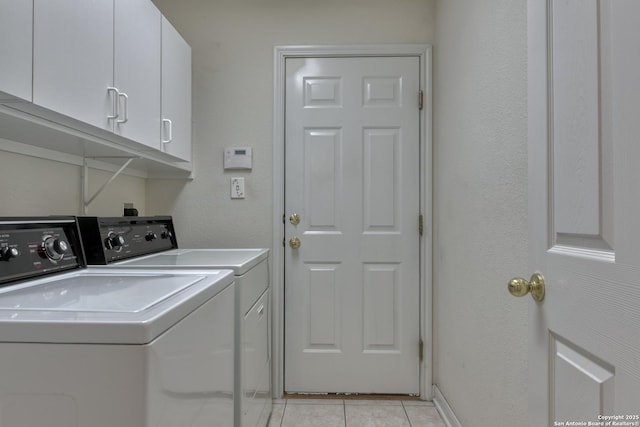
x=25 y=133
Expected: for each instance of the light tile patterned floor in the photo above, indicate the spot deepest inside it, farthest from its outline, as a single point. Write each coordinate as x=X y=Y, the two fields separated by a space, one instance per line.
x=353 y=413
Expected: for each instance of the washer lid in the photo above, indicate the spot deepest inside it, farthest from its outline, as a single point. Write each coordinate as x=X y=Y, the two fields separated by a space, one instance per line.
x=239 y=260
x=104 y=306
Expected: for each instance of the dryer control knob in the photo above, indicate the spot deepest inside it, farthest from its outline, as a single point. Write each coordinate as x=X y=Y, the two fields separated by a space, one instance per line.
x=114 y=241
x=54 y=248
x=151 y=236
x=6 y=253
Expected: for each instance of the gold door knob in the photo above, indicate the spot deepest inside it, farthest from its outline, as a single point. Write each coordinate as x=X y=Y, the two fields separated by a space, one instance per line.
x=295 y=243
x=294 y=219
x=519 y=287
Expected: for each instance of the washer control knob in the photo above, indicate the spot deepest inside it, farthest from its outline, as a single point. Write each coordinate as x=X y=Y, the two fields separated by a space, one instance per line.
x=114 y=241
x=6 y=253
x=54 y=248
x=166 y=234
x=151 y=236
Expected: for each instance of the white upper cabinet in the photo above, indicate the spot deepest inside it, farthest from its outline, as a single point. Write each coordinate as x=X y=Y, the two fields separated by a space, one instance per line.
x=137 y=70
x=176 y=93
x=113 y=75
x=16 y=29
x=73 y=59
x=98 y=61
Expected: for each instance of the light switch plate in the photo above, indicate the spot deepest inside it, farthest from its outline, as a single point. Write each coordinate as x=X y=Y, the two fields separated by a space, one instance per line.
x=237 y=188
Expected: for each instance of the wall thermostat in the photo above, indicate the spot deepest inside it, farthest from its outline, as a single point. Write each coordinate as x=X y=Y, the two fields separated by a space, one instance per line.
x=237 y=158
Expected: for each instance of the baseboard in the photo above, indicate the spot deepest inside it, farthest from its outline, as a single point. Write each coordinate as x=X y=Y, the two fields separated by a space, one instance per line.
x=444 y=409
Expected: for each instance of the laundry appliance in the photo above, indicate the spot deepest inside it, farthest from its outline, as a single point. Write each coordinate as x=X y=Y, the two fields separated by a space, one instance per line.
x=107 y=347
x=151 y=243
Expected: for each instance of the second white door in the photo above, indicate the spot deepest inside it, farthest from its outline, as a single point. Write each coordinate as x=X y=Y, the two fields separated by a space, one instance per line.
x=352 y=261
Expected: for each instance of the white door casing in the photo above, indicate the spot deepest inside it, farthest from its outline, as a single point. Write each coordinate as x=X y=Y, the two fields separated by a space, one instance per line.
x=352 y=175
x=281 y=54
x=584 y=199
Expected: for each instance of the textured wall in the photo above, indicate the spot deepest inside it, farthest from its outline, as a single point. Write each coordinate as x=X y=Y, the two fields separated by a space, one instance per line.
x=480 y=163
x=480 y=209
x=233 y=45
x=34 y=186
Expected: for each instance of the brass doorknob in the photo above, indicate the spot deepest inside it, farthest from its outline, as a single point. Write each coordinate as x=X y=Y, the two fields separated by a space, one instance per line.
x=295 y=243
x=519 y=287
x=294 y=219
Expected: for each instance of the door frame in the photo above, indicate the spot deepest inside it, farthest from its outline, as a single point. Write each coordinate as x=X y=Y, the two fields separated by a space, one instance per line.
x=424 y=53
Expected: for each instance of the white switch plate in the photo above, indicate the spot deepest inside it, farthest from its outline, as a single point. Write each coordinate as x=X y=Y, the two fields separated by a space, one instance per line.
x=237 y=188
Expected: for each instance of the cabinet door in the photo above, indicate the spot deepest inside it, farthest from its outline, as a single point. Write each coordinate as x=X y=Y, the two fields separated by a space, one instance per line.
x=16 y=30
x=137 y=70
x=73 y=58
x=176 y=93
x=256 y=357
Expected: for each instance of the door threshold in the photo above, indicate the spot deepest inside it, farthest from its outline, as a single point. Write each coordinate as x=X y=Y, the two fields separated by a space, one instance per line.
x=350 y=396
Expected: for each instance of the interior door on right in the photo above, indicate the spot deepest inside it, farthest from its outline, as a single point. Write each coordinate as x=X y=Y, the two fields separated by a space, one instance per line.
x=584 y=211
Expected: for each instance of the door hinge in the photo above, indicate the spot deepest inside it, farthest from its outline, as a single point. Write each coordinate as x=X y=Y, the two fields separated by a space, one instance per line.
x=421 y=99
x=421 y=350
x=284 y=242
x=284 y=218
x=420 y=224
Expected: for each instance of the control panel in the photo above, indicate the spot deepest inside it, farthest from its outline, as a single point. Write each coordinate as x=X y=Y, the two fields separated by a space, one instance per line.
x=33 y=247
x=108 y=240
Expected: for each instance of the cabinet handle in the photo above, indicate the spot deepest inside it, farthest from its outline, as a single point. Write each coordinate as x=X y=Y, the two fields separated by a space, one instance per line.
x=114 y=102
x=170 y=123
x=261 y=309
x=126 y=110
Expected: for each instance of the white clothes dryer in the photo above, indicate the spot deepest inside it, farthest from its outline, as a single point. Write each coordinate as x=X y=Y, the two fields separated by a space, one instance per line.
x=108 y=347
x=150 y=243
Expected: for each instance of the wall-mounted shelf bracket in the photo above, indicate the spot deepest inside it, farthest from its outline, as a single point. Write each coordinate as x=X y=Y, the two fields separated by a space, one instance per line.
x=86 y=200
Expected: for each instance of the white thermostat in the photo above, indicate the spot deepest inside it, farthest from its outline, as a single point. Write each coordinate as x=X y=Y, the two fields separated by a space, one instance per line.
x=237 y=158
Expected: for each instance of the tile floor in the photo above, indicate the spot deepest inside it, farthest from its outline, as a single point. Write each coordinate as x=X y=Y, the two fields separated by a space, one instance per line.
x=353 y=413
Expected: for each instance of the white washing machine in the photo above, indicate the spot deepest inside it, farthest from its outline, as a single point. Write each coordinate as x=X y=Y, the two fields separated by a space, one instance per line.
x=108 y=347
x=150 y=243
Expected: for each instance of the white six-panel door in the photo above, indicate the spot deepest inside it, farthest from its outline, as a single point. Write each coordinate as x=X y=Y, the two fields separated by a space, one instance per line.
x=584 y=212
x=352 y=176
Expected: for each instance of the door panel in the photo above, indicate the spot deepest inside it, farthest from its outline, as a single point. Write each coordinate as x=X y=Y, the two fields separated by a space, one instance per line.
x=73 y=58
x=582 y=385
x=137 y=70
x=352 y=174
x=322 y=161
x=584 y=340
x=176 y=93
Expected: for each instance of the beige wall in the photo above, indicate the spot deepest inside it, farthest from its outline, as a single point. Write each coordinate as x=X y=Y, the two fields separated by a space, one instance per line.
x=480 y=163
x=232 y=42
x=33 y=186
x=480 y=204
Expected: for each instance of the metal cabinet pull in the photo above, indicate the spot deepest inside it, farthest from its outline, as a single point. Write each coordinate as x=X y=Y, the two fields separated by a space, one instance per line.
x=114 y=102
x=126 y=110
x=170 y=132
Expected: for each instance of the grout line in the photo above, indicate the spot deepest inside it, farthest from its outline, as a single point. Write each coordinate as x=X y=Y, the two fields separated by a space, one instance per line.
x=406 y=414
x=283 y=412
x=344 y=412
